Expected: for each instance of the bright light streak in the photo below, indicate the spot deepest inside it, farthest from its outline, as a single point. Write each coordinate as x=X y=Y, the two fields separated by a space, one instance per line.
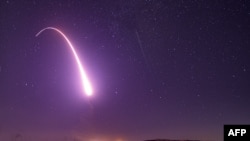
x=87 y=86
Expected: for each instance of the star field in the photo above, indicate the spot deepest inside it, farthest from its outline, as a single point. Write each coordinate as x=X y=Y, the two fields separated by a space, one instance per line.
x=159 y=69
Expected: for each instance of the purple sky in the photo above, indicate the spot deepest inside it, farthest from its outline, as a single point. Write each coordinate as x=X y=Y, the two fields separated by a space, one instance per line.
x=159 y=69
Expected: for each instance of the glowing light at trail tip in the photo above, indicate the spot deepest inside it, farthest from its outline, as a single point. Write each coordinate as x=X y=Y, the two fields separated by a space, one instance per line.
x=86 y=84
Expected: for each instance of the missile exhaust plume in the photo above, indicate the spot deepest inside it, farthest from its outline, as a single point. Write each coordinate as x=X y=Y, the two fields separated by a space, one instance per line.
x=86 y=83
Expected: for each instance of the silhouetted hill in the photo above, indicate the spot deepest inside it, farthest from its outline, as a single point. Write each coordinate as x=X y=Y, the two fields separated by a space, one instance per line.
x=169 y=140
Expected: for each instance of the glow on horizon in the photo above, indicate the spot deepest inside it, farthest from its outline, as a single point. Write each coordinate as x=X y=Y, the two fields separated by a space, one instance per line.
x=85 y=81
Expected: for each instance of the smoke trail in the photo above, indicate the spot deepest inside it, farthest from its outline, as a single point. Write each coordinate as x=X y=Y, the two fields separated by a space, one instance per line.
x=86 y=84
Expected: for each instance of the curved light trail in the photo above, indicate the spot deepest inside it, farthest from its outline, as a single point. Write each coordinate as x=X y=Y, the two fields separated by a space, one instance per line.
x=86 y=83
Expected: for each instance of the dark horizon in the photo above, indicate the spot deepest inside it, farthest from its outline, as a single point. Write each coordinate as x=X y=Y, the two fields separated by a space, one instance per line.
x=18 y=137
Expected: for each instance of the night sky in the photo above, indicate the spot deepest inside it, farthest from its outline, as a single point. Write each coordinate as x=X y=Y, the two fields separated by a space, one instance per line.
x=159 y=69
